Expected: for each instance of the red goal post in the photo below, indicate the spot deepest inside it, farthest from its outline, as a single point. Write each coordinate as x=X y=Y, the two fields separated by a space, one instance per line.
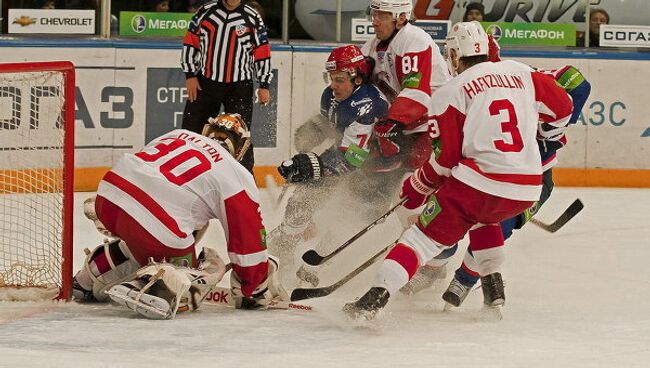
x=37 y=118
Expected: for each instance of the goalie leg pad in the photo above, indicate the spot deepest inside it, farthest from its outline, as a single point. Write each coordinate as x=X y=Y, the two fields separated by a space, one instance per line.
x=161 y=289
x=108 y=264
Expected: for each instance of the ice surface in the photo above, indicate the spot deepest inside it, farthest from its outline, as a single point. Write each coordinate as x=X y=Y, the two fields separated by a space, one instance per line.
x=576 y=298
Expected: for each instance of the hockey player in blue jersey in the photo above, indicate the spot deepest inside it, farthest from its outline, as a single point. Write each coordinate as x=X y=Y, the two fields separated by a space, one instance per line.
x=575 y=84
x=350 y=106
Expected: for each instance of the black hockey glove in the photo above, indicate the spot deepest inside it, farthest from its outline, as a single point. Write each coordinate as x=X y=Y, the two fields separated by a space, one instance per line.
x=301 y=167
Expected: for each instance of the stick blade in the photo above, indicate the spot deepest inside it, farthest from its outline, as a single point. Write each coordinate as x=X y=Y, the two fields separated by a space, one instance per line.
x=312 y=258
x=302 y=294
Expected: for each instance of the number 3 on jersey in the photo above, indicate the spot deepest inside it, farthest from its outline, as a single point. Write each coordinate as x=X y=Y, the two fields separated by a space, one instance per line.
x=509 y=126
x=168 y=167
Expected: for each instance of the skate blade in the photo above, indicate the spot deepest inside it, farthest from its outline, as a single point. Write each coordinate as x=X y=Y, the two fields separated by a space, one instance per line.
x=157 y=308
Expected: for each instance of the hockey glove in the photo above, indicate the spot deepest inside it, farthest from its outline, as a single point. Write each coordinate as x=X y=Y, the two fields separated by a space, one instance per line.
x=416 y=189
x=388 y=134
x=264 y=294
x=301 y=167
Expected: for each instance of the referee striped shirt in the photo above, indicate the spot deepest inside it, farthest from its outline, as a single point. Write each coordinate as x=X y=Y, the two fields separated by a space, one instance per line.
x=227 y=46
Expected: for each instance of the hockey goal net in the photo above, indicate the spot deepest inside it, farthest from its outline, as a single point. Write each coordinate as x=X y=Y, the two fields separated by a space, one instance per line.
x=36 y=180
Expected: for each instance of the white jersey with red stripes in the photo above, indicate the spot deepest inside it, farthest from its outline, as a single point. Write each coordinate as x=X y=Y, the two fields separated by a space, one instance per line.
x=489 y=119
x=407 y=69
x=179 y=182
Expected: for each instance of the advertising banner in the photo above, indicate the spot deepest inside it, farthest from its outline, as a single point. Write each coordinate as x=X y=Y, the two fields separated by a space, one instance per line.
x=362 y=29
x=624 y=36
x=532 y=34
x=51 y=21
x=154 y=24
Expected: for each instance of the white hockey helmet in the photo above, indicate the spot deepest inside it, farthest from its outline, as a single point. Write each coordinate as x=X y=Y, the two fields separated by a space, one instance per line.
x=231 y=132
x=466 y=39
x=395 y=7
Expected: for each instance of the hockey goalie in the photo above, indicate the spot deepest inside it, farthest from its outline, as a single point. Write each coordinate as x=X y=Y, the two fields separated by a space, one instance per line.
x=157 y=204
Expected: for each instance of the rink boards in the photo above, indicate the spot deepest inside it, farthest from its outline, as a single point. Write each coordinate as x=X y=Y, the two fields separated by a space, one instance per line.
x=129 y=92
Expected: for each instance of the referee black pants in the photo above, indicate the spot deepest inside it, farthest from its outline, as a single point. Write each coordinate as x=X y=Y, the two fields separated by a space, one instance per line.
x=235 y=97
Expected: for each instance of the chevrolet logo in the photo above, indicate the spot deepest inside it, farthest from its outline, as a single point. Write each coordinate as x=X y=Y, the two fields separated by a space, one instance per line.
x=24 y=21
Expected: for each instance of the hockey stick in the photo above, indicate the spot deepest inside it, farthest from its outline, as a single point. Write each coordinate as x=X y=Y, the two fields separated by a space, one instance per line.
x=300 y=294
x=311 y=257
x=567 y=215
x=221 y=296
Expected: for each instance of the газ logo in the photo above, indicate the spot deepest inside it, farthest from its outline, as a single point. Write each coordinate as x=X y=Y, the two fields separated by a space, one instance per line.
x=138 y=24
x=24 y=21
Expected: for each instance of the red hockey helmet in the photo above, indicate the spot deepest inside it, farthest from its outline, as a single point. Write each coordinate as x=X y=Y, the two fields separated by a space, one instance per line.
x=346 y=59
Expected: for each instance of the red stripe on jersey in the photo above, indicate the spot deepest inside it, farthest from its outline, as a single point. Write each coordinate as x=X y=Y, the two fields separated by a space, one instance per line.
x=548 y=92
x=407 y=111
x=520 y=179
x=230 y=65
x=251 y=276
x=450 y=124
x=405 y=256
x=486 y=237
x=262 y=52
x=245 y=236
x=146 y=201
x=192 y=40
x=210 y=52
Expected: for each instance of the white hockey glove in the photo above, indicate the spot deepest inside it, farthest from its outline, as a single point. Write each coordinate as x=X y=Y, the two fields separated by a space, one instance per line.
x=89 y=212
x=265 y=294
x=161 y=290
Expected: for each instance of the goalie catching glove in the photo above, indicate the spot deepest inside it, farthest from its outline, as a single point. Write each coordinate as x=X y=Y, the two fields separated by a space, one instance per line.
x=160 y=290
x=264 y=294
x=301 y=167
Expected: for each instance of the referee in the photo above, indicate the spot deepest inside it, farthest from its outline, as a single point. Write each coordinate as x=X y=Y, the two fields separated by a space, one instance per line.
x=224 y=48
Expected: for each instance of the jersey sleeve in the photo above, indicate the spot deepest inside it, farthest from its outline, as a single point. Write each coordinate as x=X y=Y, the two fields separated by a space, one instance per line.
x=191 y=51
x=413 y=70
x=238 y=210
x=554 y=107
x=261 y=50
x=353 y=148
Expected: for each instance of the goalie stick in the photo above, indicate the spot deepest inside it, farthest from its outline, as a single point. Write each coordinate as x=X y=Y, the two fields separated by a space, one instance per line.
x=567 y=215
x=312 y=258
x=301 y=294
x=221 y=296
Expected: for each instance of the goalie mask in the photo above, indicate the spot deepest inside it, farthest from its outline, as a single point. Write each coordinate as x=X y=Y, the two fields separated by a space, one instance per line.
x=231 y=132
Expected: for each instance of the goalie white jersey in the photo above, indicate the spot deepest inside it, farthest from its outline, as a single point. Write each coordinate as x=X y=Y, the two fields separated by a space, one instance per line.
x=180 y=181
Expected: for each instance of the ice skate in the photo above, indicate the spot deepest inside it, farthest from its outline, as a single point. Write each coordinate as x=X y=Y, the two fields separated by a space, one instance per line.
x=456 y=293
x=423 y=279
x=368 y=305
x=81 y=295
x=493 y=291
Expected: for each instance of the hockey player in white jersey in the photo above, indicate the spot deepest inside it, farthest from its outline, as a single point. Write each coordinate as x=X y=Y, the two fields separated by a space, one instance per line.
x=489 y=168
x=158 y=202
x=408 y=68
